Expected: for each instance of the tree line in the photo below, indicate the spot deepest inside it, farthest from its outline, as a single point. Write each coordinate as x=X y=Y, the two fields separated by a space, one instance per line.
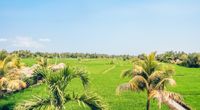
x=29 y=54
x=191 y=60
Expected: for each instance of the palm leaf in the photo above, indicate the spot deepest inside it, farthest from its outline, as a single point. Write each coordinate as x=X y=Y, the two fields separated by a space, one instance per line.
x=173 y=100
x=82 y=75
x=126 y=87
x=3 y=83
x=155 y=74
x=92 y=100
x=165 y=81
x=137 y=83
x=127 y=73
x=168 y=70
x=36 y=103
x=140 y=81
x=138 y=70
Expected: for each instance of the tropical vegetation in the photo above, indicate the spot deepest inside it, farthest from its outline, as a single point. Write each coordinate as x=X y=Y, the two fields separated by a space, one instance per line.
x=57 y=84
x=150 y=76
x=22 y=79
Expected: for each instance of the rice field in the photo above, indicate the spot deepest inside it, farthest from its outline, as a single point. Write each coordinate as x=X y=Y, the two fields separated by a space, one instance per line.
x=105 y=77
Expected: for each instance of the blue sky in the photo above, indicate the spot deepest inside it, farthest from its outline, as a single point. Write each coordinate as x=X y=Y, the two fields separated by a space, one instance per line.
x=101 y=26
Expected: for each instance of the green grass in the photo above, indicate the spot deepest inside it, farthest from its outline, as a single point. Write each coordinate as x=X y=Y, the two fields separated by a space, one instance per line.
x=104 y=78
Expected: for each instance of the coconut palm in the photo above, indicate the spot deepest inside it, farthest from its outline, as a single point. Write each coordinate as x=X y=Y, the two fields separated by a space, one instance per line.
x=9 y=75
x=57 y=83
x=16 y=61
x=3 y=65
x=3 y=54
x=8 y=63
x=150 y=76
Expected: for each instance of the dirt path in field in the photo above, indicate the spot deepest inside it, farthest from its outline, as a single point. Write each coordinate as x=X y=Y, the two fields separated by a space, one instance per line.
x=109 y=69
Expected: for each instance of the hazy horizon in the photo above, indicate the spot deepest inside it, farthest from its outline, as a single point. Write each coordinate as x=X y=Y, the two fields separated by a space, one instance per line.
x=105 y=27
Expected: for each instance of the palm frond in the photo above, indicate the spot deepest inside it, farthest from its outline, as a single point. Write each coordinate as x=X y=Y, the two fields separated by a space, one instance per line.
x=140 y=81
x=81 y=74
x=3 y=83
x=57 y=96
x=168 y=70
x=152 y=56
x=14 y=85
x=155 y=74
x=42 y=61
x=8 y=59
x=173 y=100
x=137 y=70
x=165 y=81
x=36 y=103
x=137 y=83
x=127 y=73
x=65 y=75
x=40 y=73
x=150 y=63
x=126 y=87
x=4 y=63
x=92 y=100
x=17 y=62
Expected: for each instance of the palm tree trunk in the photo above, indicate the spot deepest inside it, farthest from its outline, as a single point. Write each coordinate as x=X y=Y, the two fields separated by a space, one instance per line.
x=148 y=104
x=148 y=101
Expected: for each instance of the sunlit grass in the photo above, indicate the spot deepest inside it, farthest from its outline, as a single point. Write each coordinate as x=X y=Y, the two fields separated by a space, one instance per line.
x=188 y=81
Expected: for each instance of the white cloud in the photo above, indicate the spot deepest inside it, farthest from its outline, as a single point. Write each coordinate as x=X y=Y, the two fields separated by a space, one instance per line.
x=44 y=40
x=3 y=39
x=26 y=42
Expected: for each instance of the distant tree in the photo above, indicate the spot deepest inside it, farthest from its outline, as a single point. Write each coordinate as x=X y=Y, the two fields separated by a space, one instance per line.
x=3 y=54
x=193 y=60
x=141 y=56
x=112 y=62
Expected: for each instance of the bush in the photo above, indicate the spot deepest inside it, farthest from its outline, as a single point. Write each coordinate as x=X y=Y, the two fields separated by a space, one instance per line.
x=180 y=58
x=193 y=60
x=111 y=62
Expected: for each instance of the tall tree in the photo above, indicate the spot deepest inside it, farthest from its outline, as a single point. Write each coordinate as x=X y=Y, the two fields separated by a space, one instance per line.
x=150 y=76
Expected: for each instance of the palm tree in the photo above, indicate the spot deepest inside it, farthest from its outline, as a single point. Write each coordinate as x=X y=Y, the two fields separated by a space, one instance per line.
x=9 y=76
x=150 y=76
x=171 y=99
x=8 y=63
x=3 y=65
x=3 y=54
x=57 y=83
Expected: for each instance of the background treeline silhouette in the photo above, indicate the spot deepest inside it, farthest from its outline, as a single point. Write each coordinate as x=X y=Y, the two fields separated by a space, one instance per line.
x=174 y=57
x=29 y=54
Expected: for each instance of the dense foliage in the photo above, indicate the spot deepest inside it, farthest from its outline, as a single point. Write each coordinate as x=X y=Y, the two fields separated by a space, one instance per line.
x=174 y=57
x=180 y=58
x=29 y=54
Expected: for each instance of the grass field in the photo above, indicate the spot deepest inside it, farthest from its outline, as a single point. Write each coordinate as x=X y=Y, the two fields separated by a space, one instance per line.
x=104 y=78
